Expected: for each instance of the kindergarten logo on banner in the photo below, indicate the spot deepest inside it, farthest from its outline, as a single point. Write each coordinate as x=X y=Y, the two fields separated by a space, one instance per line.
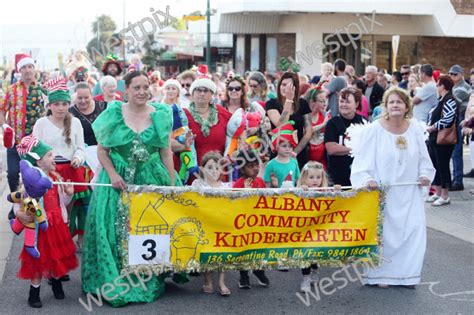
x=189 y=230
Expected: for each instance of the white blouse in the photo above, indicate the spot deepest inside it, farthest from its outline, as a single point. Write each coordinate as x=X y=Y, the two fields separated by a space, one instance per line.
x=47 y=132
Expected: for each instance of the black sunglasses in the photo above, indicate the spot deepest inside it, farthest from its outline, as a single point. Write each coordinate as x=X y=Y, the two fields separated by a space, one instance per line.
x=186 y=84
x=453 y=74
x=405 y=73
x=234 y=88
x=202 y=90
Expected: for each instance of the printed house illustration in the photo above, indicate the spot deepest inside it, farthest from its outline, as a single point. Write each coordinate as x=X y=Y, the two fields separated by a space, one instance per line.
x=151 y=221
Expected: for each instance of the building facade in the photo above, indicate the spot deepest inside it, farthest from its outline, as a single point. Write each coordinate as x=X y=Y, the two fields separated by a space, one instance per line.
x=381 y=33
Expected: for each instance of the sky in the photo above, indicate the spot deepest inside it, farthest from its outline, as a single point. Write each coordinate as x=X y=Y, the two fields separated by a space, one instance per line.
x=48 y=27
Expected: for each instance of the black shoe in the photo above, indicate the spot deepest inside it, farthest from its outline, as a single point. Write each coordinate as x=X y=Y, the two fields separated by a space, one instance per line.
x=34 y=300
x=63 y=279
x=244 y=281
x=456 y=187
x=58 y=289
x=261 y=278
x=470 y=174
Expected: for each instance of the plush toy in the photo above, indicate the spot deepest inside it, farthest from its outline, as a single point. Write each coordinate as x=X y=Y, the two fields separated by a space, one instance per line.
x=35 y=184
x=188 y=157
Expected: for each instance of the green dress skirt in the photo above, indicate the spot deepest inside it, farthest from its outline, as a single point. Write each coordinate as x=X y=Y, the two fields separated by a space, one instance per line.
x=137 y=159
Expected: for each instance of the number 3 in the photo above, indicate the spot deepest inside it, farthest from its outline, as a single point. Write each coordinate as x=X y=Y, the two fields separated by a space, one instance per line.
x=151 y=249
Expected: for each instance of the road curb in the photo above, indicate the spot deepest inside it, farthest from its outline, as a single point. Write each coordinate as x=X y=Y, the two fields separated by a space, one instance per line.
x=450 y=228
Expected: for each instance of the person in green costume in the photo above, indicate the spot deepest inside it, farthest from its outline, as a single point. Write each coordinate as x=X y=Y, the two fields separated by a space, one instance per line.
x=133 y=148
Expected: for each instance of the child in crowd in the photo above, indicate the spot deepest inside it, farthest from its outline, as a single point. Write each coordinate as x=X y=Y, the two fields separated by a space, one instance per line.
x=55 y=243
x=312 y=176
x=210 y=177
x=284 y=166
x=248 y=164
x=65 y=135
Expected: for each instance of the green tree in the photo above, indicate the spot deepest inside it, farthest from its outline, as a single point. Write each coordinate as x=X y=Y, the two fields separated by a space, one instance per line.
x=104 y=40
x=151 y=52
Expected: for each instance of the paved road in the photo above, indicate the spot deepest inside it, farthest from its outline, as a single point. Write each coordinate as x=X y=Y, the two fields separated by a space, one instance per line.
x=449 y=261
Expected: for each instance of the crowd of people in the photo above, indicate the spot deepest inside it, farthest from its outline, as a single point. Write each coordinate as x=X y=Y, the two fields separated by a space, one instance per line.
x=230 y=131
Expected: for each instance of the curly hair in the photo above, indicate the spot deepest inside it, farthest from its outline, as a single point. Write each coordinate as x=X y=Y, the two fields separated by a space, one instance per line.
x=403 y=95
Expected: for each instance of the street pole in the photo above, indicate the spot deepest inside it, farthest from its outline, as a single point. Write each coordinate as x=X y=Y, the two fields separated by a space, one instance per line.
x=208 y=48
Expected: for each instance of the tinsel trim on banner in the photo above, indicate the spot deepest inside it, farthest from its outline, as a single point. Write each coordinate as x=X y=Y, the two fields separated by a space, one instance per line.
x=174 y=193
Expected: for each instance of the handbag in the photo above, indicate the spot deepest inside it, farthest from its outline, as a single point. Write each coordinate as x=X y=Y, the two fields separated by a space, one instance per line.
x=447 y=136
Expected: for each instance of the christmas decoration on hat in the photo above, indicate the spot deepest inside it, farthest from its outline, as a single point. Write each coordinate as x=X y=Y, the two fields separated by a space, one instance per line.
x=32 y=149
x=22 y=60
x=203 y=81
x=8 y=136
x=203 y=70
x=285 y=65
x=111 y=59
x=284 y=133
x=57 y=90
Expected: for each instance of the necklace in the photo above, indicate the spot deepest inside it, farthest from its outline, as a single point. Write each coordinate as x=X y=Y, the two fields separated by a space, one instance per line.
x=205 y=124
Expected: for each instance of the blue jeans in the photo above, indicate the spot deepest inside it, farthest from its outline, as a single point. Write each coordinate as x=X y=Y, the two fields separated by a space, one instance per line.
x=458 y=163
x=13 y=165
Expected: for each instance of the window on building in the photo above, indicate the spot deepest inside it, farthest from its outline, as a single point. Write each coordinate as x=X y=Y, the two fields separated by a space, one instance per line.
x=254 y=53
x=271 y=55
x=240 y=54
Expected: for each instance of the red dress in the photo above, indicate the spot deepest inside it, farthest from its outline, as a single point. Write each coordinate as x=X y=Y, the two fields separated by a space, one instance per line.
x=317 y=150
x=57 y=250
x=217 y=134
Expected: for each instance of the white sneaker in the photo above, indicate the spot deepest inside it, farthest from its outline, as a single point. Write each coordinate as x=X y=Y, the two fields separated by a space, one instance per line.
x=305 y=285
x=440 y=202
x=432 y=198
x=314 y=276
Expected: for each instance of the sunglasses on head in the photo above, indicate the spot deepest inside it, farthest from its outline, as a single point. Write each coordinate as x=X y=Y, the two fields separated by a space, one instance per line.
x=234 y=88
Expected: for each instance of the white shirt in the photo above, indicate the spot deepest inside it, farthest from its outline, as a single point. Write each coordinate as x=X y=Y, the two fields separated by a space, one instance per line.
x=47 y=132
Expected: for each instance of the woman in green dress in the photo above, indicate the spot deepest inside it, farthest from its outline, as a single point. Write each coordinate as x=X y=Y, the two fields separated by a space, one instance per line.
x=133 y=148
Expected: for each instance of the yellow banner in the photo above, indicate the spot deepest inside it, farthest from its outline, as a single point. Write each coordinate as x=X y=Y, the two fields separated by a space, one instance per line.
x=250 y=229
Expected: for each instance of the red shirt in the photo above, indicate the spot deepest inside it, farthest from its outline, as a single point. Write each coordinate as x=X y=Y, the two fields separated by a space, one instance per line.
x=257 y=183
x=217 y=134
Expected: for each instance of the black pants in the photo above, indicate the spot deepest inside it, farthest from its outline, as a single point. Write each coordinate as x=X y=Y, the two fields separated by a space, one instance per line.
x=307 y=271
x=440 y=156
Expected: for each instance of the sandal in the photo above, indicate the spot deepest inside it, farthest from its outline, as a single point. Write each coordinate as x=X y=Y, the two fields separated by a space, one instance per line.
x=224 y=291
x=208 y=289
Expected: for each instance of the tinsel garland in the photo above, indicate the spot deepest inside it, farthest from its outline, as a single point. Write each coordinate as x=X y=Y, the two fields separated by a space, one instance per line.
x=206 y=124
x=196 y=266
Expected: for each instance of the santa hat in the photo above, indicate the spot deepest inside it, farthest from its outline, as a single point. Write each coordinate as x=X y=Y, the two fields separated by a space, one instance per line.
x=22 y=60
x=203 y=81
x=284 y=132
x=57 y=90
x=174 y=83
x=8 y=136
x=436 y=74
x=131 y=68
x=32 y=149
x=288 y=181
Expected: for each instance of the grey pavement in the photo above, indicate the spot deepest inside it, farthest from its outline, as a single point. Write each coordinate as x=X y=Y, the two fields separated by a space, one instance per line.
x=448 y=273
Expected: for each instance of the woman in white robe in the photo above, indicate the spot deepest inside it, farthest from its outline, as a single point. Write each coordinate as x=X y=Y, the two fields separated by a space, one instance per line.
x=393 y=150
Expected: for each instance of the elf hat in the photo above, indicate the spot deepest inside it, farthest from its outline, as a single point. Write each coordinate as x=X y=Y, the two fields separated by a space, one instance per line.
x=32 y=149
x=203 y=81
x=22 y=60
x=284 y=132
x=57 y=90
